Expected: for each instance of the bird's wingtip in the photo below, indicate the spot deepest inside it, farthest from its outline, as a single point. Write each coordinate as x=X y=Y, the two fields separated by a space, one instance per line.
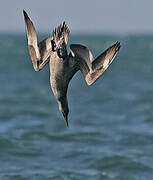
x=25 y=14
x=117 y=45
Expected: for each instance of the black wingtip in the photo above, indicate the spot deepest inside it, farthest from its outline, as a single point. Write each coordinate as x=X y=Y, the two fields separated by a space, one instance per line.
x=25 y=14
x=117 y=45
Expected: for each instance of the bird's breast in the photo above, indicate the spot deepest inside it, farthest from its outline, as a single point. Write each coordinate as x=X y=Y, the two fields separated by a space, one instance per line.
x=58 y=76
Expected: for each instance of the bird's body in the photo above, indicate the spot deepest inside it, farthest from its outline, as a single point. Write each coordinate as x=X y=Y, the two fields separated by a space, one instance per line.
x=61 y=72
x=62 y=66
x=60 y=75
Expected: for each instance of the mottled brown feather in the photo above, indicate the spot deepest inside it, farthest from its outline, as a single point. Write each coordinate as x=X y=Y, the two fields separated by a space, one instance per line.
x=93 y=69
x=39 y=53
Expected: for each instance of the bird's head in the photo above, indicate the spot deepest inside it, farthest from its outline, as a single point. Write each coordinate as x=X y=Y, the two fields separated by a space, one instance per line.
x=60 y=39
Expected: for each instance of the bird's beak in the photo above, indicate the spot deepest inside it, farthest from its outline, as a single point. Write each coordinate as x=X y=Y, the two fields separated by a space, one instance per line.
x=66 y=119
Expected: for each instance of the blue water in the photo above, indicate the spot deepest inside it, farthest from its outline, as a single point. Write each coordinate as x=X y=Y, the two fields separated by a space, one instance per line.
x=111 y=122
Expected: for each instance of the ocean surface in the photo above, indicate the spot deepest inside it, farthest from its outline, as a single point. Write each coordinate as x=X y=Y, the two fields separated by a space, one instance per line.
x=111 y=122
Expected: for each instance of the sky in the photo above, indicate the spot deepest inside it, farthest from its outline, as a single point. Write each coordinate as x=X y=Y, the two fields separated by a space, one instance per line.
x=82 y=16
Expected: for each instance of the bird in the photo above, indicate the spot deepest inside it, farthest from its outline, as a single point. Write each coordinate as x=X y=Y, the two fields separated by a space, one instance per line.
x=63 y=66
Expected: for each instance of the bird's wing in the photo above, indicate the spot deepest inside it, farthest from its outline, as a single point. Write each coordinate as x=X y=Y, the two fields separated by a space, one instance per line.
x=91 y=68
x=83 y=56
x=45 y=49
x=39 y=52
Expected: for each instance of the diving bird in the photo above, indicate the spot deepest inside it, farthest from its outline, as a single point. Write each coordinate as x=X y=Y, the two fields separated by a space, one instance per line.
x=63 y=66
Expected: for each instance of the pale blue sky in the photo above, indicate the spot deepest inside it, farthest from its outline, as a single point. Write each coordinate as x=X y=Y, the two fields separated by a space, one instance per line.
x=82 y=16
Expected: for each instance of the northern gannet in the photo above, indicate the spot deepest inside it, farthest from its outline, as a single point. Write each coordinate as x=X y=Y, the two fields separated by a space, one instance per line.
x=62 y=65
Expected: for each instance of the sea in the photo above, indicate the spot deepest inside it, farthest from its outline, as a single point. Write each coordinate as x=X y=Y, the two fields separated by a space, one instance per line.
x=110 y=134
